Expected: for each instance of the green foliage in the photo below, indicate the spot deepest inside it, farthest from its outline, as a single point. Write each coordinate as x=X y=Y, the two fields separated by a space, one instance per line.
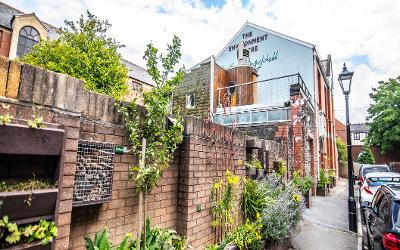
x=246 y=236
x=323 y=180
x=366 y=156
x=162 y=239
x=383 y=115
x=84 y=51
x=156 y=239
x=30 y=184
x=5 y=119
x=162 y=130
x=37 y=122
x=342 y=150
x=253 y=163
x=281 y=170
x=101 y=242
x=254 y=199
x=11 y=234
x=224 y=198
x=303 y=184
x=281 y=217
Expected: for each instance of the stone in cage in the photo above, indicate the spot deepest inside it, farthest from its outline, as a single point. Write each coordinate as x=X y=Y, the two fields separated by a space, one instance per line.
x=94 y=173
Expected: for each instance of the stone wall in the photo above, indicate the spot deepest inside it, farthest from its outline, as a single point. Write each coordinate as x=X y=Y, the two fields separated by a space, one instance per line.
x=181 y=200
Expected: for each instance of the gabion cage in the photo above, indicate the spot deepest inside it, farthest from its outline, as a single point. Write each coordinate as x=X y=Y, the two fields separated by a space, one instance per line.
x=94 y=173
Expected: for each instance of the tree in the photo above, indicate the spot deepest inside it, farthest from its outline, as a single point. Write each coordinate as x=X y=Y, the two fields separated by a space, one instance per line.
x=162 y=130
x=342 y=150
x=384 y=115
x=83 y=50
x=366 y=156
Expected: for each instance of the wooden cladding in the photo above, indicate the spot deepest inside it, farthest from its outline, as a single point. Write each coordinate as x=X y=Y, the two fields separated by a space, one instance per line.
x=244 y=94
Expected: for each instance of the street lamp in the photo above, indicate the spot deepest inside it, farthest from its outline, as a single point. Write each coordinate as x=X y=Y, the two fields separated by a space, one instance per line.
x=345 y=83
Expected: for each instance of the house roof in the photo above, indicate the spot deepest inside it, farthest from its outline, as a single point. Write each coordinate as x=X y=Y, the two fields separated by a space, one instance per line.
x=7 y=14
x=298 y=41
x=359 y=127
x=137 y=72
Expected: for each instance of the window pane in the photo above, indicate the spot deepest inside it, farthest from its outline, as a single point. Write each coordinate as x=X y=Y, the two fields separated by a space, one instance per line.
x=277 y=115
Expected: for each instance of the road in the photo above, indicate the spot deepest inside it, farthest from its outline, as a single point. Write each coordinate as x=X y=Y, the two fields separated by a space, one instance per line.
x=325 y=224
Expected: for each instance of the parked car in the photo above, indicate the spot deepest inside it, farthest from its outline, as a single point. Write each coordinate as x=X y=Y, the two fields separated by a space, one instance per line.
x=382 y=218
x=367 y=168
x=373 y=181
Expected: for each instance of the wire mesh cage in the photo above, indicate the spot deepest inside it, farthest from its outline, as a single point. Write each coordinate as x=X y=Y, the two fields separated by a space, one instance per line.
x=94 y=173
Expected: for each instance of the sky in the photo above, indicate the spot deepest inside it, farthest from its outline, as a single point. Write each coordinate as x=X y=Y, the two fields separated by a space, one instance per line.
x=363 y=33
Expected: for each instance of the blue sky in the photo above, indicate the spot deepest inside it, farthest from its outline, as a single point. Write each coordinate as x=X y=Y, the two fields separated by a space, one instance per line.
x=362 y=33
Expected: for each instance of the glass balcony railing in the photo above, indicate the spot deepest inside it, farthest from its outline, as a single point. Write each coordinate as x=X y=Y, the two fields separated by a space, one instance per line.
x=257 y=102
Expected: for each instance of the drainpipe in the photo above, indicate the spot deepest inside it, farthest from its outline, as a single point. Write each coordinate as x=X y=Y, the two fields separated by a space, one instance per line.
x=212 y=65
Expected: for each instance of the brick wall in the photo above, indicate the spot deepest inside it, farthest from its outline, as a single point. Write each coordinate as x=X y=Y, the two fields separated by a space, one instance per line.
x=205 y=154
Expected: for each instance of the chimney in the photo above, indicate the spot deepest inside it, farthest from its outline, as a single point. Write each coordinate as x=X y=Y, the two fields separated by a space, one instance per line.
x=242 y=55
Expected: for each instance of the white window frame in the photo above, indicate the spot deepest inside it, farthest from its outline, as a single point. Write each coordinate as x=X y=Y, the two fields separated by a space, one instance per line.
x=190 y=104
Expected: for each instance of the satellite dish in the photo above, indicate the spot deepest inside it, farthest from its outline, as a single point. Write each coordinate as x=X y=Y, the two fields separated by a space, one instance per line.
x=231 y=88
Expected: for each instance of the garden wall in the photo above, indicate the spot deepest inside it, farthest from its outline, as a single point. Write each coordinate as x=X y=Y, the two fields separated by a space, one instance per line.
x=181 y=200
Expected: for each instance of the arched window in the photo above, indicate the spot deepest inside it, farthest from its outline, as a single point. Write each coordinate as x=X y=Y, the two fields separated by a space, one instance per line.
x=28 y=36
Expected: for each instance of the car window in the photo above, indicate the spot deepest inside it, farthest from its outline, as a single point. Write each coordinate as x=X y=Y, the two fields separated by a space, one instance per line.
x=375 y=169
x=377 y=201
x=379 y=181
x=384 y=210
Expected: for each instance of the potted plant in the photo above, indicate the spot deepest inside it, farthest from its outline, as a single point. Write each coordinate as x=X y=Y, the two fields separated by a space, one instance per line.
x=254 y=167
x=259 y=167
x=303 y=185
x=322 y=186
x=332 y=177
x=29 y=236
x=28 y=198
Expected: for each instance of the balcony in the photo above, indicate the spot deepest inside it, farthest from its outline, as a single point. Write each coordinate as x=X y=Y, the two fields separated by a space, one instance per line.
x=257 y=102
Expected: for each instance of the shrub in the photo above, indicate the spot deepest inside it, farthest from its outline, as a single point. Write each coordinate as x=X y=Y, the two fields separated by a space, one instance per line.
x=246 y=236
x=281 y=217
x=366 y=156
x=342 y=150
x=302 y=184
x=254 y=199
x=323 y=180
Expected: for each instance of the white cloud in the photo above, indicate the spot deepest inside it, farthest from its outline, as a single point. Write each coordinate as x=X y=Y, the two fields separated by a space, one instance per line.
x=344 y=29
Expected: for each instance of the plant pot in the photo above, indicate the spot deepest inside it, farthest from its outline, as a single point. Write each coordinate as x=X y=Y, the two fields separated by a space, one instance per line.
x=307 y=199
x=283 y=244
x=31 y=246
x=260 y=173
x=322 y=192
x=28 y=206
x=333 y=181
x=251 y=172
x=23 y=140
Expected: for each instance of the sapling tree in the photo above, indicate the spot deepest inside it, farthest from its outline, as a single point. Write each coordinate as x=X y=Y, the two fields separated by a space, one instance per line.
x=155 y=121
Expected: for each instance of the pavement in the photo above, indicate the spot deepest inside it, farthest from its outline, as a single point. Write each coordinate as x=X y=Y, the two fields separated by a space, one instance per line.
x=325 y=224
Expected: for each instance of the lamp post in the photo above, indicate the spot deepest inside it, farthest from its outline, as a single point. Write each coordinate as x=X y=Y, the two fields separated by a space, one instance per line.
x=345 y=83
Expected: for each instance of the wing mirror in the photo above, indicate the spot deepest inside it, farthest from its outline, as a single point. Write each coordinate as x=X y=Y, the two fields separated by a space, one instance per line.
x=365 y=204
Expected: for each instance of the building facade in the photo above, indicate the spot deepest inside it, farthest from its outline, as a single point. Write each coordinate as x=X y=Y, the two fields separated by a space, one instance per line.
x=271 y=85
x=19 y=31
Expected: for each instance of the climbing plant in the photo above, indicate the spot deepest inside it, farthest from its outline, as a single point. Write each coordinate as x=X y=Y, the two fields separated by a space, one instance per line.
x=155 y=121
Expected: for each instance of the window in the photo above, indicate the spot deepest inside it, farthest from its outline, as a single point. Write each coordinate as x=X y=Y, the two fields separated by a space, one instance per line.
x=384 y=210
x=1 y=37
x=356 y=136
x=190 y=101
x=376 y=202
x=136 y=86
x=28 y=36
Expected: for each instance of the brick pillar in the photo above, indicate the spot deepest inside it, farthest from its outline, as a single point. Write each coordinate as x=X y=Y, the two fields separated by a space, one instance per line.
x=297 y=136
